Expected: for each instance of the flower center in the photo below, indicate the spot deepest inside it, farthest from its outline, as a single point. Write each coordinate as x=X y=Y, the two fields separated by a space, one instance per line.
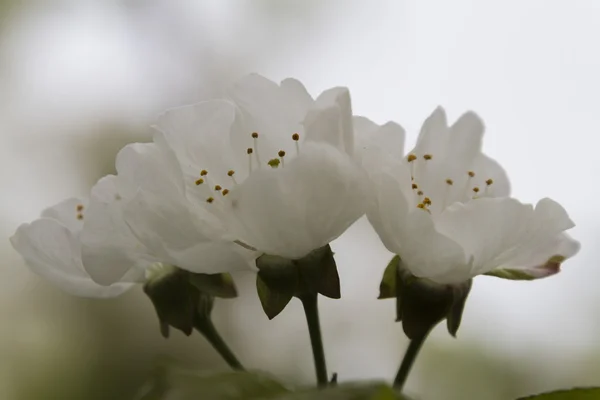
x=215 y=189
x=424 y=185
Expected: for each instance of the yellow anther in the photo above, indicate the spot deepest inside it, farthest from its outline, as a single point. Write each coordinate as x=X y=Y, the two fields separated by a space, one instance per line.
x=79 y=207
x=471 y=174
x=218 y=187
x=210 y=200
x=414 y=186
x=476 y=189
x=249 y=150
x=255 y=135
x=427 y=201
x=449 y=181
x=295 y=137
x=489 y=182
x=420 y=193
x=274 y=162
x=230 y=172
x=421 y=205
x=80 y=216
x=199 y=181
x=203 y=172
x=428 y=156
x=281 y=153
x=411 y=158
x=225 y=191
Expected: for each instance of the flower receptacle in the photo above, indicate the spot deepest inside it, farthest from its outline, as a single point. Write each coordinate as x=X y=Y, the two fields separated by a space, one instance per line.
x=421 y=303
x=279 y=279
x=182 y=298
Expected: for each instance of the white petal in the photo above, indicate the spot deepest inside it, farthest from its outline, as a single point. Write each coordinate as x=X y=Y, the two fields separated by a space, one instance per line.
x=389 y=138
x=433 y=137
x=504 y=233
x=109 y=249
x=339 y=97
x=410 y=233
x=324 y=125
x=200 y=137
x=150 y=167
x=67 y=212
x=178 y=236
x=52 y=251
x=297 y=208
x=297 y=98
x=267 y=108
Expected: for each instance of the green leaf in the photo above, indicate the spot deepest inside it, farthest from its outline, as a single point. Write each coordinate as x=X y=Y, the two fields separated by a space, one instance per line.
x=173 y=383
x=387 y=287
x=512 y=274
x=372 y=391
x=572 y=394
x=217 y=285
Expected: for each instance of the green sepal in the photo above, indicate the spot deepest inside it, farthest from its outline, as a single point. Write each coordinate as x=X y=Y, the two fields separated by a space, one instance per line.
x=387 y=288
x=174 y=301
x=569 y=394
x=421 y=303
x=512 y=274
x=217 y=285
x=181 y=297
x=279 y=279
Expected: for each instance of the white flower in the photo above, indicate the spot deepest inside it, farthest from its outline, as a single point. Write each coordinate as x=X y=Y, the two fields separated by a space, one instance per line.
x=269 y=169
x=444 y=207
x=51 y=248
x=119 y=233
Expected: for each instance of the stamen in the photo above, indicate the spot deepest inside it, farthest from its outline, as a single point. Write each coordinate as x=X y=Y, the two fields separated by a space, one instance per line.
x=199 y=181
x=471 y=174
x=411 y=158
x=274 y=162
x=420 y=193
x=79 y=216
x=230 y=173
x=218 y=188
x=415 y=186
x=203 y=172
x=255 y=137
x=210 y=200
x=449 y=183
x=427 y=156
x=281 y=154
x=225 y=191
x=296 y=138
x=118 y=197
x=249 y=151
x=79 y=208
x=487 y=190
x=421 y=206
x=476 y=189
x=427 y=201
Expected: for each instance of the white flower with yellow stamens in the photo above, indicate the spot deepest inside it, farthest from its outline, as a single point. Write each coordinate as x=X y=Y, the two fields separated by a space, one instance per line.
x=51 y=248
x=269 y=169
x=445 y=207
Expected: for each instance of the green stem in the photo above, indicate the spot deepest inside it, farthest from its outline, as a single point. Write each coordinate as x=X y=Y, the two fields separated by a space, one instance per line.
x=208 y=330
x=408 y=361
x=311 y=310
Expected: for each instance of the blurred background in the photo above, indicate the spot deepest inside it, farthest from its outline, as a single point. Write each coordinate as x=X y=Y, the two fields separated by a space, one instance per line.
x=81 y=78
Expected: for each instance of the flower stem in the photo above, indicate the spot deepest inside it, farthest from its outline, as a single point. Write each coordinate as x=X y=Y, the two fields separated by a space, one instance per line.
x=408 y=361
x=311 y=310
x=208 y=330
